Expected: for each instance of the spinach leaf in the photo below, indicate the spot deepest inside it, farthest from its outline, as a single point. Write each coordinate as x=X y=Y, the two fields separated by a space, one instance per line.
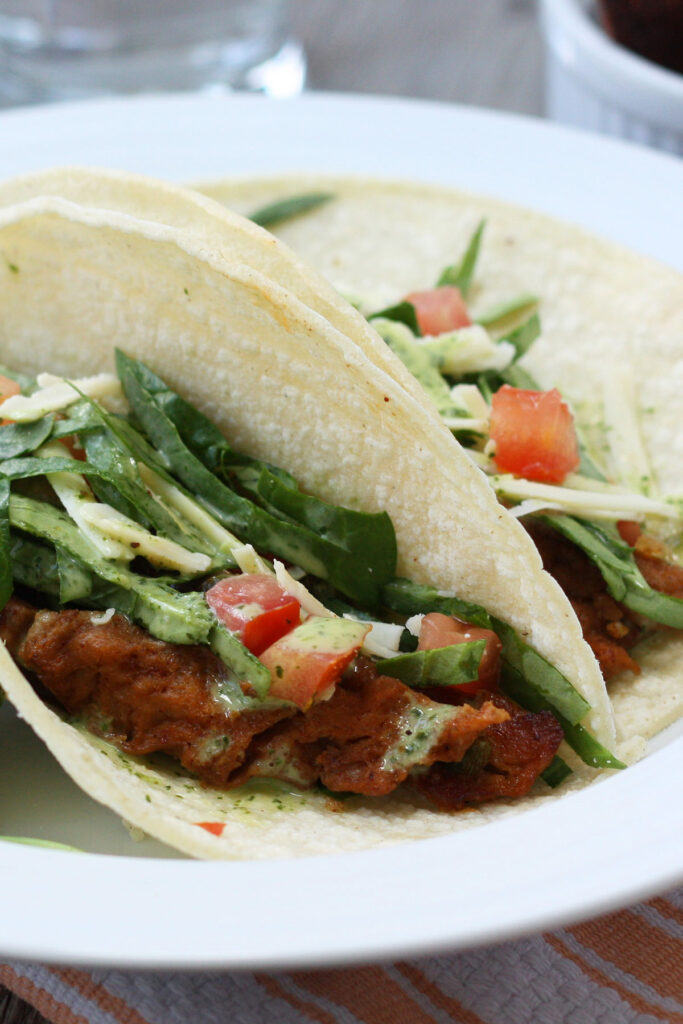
x=556 y=772
x=120 y=485
x=47 y=843
x=293 y=206
x=500 y=316
x=402 y=313
x=357 y=573
x=20 y=438
x=523 y=337
x=442 y=666
x=619 y=569
x=461 y=274
x=34 y=564
x=81 y=417
x=5 y=557
x=75 y=581
x=34 y=465
x=408 y=598
x=114 y=478
x=363 y=534
x=579 y=739
x=188 y=619
x=527 y=676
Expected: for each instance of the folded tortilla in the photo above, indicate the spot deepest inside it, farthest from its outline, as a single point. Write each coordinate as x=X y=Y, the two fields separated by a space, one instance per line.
x=276 y=359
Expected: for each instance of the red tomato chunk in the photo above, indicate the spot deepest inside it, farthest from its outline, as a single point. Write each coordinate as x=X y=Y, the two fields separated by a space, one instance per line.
x=306 y=663
x=534 y=434
x=440 y=309
x=629 y=531
x=76 y=449
x=255 y=607
x=8 y=388
x=216 y=828
x=439 y=630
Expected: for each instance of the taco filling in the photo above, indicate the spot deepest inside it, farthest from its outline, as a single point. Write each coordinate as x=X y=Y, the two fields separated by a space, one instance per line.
x=587 y=495
x=136 y=610
x=587 y=502
x=185 y=619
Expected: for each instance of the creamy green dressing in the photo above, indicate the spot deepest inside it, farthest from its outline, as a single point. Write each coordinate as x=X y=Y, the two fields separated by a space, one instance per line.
x=279 y=760
x=419 y=729
x=330 y=635
x=212 y=746
x=257 y=797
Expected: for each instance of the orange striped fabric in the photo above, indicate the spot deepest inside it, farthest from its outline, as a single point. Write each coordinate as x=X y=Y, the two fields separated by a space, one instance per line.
x=623 y=968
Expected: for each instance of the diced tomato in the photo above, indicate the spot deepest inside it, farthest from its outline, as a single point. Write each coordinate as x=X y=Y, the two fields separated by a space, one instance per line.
x=440 y=309
x=629 y=531
x=534 y=434
x=439 y=630
x=216 y=828
x=8 y=388
x=305 y=663
x=255 y=607
x=76 y=449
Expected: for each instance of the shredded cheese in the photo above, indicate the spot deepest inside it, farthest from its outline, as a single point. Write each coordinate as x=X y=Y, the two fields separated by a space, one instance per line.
x=470 y=398
x=629 y=459
x=74 y=492
x=308 y=602
x=383 y=640
x=173 y=500
x=464 y=423
x=249 y=560
x=103 y=618
x=414 y=624
x=160 y=551
x=114 y=535
x=612 y=505
x=531 y=505
x=55 y=393
x=479 y=459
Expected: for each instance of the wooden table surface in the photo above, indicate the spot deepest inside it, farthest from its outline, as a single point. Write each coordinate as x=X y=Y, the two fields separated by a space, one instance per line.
x=487 y=53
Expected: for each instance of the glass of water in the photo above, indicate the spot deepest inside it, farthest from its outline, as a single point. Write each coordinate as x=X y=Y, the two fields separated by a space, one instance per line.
x=71 y=49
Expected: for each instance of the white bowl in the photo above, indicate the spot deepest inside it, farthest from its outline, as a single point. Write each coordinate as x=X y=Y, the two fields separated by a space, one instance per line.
x=593 y=82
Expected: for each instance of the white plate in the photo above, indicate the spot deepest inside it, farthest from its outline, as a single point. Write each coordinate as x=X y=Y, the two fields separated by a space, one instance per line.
x=584 y=854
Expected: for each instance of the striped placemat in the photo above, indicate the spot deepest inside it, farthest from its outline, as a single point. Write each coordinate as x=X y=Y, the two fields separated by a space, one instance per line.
x=623 y=968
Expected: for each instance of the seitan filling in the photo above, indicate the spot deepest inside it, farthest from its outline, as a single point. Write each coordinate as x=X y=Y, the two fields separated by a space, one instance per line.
x=146 y=695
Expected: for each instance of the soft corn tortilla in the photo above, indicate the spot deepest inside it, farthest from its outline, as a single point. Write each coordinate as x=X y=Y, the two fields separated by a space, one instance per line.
x=603 y=308
x=286 y=385
x=216 y=229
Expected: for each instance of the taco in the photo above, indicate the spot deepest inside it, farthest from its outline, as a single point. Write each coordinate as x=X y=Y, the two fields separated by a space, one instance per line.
x=244 y=397
x=546 y=305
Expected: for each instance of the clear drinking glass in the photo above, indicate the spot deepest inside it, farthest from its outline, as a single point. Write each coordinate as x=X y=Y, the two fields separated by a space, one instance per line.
x=70 y=49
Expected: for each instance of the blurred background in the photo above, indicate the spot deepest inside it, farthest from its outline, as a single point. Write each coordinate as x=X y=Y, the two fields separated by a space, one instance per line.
x=612 y=66
x=535 y=57
x=487 y=53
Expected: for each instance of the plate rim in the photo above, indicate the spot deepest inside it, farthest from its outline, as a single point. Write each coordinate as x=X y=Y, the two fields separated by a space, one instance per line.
x=157 y=875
